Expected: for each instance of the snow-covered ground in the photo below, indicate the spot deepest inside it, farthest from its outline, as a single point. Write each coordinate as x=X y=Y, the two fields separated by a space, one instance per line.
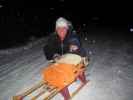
x=110 y=71
x=20 y=68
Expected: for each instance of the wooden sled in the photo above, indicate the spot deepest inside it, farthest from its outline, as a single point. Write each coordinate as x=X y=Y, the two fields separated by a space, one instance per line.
x=56 y=78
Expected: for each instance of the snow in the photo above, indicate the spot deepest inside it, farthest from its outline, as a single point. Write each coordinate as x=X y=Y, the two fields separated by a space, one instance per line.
x=20 y=68
x=110 y=70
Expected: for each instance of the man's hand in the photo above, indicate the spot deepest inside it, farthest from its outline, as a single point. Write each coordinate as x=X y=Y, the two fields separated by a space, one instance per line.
x=73 y=48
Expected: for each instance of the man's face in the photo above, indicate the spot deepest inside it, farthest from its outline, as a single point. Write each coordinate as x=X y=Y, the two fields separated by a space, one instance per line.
x=61 y=31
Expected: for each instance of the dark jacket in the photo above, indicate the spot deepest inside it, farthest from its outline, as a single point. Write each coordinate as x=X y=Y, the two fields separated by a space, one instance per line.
x=55 y=46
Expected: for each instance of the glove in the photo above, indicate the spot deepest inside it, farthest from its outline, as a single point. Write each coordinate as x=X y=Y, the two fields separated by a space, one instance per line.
x=73 y=48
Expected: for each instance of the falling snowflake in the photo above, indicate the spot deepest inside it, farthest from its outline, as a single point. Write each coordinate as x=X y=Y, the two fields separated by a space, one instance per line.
x=1 y=6
x=93 y=41
x=86 y=38
x=51 y=8
x=131 y=29
x=84 y=24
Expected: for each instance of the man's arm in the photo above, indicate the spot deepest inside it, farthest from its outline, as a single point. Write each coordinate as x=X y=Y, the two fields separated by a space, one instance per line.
x=50 y=48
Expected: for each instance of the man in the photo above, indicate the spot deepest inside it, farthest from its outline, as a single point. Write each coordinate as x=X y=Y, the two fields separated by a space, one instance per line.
x=64 y=40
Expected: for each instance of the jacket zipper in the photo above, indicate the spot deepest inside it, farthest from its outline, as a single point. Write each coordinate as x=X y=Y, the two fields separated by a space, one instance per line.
x=62 y=46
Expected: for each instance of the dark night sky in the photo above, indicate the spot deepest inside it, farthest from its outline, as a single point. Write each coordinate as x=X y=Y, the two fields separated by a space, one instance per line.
x=19 y=20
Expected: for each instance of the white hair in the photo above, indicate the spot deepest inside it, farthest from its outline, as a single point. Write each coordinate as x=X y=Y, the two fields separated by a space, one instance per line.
x=61 y=22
